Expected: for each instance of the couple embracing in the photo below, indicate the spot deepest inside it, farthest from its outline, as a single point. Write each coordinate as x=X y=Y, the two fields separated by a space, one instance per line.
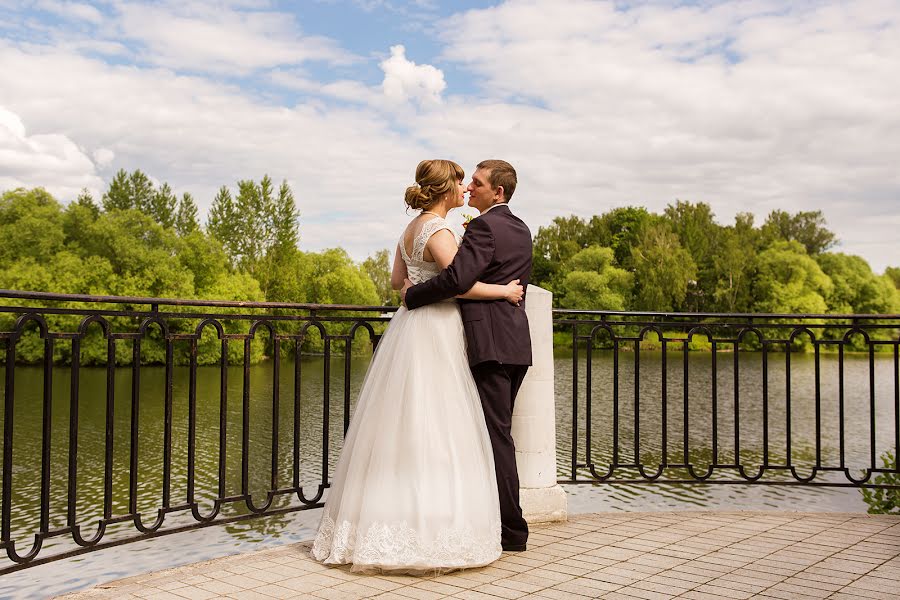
x=427 y=481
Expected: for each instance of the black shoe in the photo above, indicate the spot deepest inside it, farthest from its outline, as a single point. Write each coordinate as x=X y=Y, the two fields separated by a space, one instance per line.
x=513 y=547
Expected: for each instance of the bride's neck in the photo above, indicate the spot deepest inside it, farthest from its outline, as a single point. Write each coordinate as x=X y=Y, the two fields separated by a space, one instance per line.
x=440 y=210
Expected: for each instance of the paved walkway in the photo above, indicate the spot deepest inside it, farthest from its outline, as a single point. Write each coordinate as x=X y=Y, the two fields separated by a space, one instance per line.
x=700 y=555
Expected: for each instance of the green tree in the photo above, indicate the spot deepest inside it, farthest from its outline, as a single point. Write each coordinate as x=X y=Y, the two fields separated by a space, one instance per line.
x=808 y=228
x=223 y=222
x=79 y=218
x=621 y=229
x=334 y=279
x=186 y=221
x=734 y=265
x=378 y=267
x=893 y=273
x=856 y=289
x=699 y=234
x=163 y=206
x=254 y=223
x=594 y=283
x=277 y=268
x=788 y=280
x=129 y=191
x=254 y=206
x=148 y=268
x=204 y=257
x=285 y=220
x=31 y=226
x=553 y=246
x=86 y=200
x=663 y=270
x=118 y=195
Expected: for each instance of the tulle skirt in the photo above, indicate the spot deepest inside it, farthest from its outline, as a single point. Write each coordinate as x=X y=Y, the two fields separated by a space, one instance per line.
x=414 y=490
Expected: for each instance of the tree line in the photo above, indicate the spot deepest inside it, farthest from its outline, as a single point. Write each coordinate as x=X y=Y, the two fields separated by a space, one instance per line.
x=684 y=261
x=142 y=239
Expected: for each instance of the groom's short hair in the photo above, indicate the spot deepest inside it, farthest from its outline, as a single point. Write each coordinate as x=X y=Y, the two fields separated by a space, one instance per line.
x=501 y=173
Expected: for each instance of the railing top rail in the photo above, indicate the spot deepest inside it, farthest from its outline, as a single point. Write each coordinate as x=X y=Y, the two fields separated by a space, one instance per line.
x=713 y=315
x=53 y=297
x=558 y=312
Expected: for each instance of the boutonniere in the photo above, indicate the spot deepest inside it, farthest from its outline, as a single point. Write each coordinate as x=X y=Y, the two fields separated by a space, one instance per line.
x=468 y=219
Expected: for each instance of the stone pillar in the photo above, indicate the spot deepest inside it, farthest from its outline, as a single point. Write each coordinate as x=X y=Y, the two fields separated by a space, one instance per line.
x=534 y=420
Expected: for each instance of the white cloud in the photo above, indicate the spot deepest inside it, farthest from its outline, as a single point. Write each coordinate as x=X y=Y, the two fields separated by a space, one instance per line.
x=346 y=90
x=405 y=84
x=405 y=80
x=222 y=39
x=53 y=159
x=72 y=10
x=103 y=156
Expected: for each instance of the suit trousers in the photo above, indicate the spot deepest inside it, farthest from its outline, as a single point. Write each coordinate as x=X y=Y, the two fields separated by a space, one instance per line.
x=498 y=385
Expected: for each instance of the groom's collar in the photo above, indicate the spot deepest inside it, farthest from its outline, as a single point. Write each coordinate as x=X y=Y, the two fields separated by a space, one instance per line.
x=493 y=206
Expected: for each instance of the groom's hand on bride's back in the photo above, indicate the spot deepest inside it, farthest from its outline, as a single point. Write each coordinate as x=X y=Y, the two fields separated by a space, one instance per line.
x=406 y=285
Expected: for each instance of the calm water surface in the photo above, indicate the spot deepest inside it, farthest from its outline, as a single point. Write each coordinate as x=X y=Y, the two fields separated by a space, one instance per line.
x=222 y=540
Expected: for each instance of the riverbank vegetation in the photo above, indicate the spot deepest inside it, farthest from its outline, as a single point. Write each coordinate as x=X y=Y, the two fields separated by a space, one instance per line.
x=143 y=239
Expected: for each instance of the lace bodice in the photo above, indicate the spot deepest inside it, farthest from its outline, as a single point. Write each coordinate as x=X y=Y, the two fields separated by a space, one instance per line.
x=417 y=268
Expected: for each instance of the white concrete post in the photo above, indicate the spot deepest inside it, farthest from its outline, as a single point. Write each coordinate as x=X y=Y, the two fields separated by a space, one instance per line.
x=534 y=419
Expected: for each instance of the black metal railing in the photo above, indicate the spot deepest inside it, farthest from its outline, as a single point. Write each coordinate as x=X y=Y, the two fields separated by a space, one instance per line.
x=136 y=438
x=41 y=322
x=798 y=399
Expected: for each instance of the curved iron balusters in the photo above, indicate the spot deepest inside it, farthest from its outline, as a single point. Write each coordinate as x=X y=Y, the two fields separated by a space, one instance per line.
x=770 y=333
x=143 y=322
x=737 y=331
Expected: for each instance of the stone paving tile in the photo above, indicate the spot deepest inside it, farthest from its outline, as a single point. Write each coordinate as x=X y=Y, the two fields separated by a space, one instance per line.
x=687 y=577
x=586 y=587
x=473 y=595
x=728 y=592
x=635 y=592
x=195 y=593
x=673 y=583
x=739 y=586
x=418 y=593
x=700 y=556
x=750 y=578
x=787 y=595
x=817 y=591
x=695 y=595
x=658 y=583
x=333 y=594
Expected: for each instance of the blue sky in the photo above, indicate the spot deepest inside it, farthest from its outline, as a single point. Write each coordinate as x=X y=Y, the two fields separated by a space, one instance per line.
x=748 y=105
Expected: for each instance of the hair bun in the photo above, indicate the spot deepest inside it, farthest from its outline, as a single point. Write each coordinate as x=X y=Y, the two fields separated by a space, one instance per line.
x=417 y=198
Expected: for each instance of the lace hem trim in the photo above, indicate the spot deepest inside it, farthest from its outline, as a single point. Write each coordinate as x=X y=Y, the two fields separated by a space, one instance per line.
x=398 y=546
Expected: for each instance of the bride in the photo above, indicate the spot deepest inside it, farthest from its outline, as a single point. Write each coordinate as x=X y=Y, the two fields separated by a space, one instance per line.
x=414 y=490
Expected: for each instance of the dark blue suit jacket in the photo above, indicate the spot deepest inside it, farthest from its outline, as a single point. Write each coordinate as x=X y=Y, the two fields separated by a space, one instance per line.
x=495 y=249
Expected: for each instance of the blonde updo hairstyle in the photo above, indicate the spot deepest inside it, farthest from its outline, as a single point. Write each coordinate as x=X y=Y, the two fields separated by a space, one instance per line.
x=434 y=180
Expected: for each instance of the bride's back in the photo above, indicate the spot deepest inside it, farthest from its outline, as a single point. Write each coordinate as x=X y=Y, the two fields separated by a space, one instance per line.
x=420 y=263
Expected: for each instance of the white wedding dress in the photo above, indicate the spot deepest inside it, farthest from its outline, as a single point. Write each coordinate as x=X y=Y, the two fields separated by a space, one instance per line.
x=414 y=490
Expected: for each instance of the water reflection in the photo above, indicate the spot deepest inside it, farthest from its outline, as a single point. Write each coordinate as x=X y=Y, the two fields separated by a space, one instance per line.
x=738 y=432
x=726 y=420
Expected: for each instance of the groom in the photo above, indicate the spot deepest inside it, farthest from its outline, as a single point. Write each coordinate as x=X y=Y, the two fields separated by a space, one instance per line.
x=495 y=249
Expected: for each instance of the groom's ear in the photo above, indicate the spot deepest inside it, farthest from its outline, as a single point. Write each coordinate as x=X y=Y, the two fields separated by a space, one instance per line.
x=501 y=192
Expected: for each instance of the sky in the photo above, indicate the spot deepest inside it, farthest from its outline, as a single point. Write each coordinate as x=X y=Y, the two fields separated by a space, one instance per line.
x=747 y=105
